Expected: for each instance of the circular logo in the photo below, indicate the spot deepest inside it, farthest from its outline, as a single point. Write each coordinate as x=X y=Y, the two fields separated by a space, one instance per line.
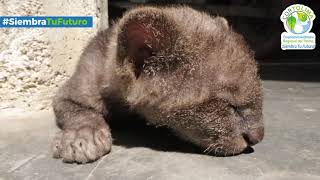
x=298 y=20
x=298 y=23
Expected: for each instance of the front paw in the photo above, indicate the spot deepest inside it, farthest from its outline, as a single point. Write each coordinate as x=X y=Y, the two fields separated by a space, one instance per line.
x=82 y=145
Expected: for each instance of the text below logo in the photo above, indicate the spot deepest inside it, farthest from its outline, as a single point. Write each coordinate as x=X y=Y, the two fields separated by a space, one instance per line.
x=298 y=21
x=46 y=21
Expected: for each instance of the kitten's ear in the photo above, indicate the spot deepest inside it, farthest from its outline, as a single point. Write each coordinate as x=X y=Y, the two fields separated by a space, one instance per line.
x=143 y=32
x=223 y=22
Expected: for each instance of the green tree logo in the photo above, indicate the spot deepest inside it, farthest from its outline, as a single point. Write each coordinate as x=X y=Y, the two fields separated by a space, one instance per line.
x=291 y=22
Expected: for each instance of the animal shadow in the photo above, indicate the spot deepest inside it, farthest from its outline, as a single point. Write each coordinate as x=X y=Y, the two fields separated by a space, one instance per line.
x=131 y=130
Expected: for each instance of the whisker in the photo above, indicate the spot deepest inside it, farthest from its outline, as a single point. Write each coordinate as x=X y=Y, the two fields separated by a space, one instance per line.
x=208 y=148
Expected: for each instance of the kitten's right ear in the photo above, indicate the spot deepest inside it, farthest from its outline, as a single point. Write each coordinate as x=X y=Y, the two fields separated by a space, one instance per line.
x=143 y=33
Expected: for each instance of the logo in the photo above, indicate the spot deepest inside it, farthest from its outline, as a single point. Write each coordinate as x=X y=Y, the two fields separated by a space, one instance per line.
x=297 y=21
x=46 y=21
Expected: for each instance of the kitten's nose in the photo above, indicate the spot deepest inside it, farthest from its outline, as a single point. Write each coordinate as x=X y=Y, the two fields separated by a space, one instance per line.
x=254 y=136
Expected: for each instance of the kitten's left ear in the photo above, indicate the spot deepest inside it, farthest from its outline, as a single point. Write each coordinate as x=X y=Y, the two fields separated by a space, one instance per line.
x=143 y=33
x=223 y=22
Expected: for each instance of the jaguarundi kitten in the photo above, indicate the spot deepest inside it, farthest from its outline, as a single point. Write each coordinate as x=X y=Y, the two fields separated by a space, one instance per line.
x=174 y=66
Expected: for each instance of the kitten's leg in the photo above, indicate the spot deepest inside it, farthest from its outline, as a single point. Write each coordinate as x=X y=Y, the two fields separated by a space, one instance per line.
x=79 y=108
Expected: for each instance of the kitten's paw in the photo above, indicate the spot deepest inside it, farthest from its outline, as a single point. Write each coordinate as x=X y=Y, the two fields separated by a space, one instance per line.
x=82 y=145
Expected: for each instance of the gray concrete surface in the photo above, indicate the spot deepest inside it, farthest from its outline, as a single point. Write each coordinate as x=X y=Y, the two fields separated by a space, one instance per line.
x=290 y=150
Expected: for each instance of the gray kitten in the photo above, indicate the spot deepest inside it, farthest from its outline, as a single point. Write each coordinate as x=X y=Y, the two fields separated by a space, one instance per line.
x=176 y=67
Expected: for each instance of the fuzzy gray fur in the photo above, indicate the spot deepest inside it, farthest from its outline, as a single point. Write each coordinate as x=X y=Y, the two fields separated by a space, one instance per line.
x=175 y=66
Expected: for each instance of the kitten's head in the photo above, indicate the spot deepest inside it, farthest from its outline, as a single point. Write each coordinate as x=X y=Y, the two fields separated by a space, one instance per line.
x=192 y=73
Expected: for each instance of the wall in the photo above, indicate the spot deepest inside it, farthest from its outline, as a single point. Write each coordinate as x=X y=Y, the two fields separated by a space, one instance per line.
x=35 y=62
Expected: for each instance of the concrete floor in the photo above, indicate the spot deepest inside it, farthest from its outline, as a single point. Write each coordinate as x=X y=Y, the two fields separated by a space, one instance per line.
x=290 y=150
